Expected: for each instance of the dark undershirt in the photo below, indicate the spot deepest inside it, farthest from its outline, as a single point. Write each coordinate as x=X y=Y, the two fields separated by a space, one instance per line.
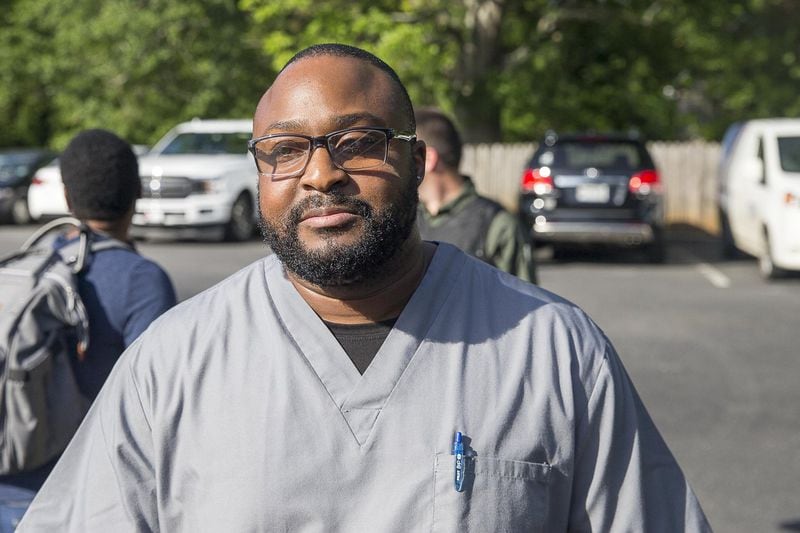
x=361 y=341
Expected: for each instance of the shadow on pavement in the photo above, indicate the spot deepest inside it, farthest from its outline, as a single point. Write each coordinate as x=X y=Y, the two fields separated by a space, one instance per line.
x=686 y=245
x=792 y=525
x=699 y=243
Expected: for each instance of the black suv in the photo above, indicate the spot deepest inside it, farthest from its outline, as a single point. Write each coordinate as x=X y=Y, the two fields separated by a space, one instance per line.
x=594 y=189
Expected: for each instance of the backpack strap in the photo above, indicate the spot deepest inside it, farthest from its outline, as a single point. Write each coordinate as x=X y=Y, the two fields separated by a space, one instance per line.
x=48 y=228
x=485 y=210
x=45 y=235
x=110 y=244
x=76 y=255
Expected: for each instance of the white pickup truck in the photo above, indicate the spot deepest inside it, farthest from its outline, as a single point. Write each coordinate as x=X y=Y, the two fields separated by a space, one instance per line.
x=199 y=181
x=759 y=195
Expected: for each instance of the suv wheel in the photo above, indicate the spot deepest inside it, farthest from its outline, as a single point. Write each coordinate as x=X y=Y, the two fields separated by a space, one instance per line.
x=765 y=263
x=729 y=250
x=656 y=250
x=242 y=223
x=19 y=211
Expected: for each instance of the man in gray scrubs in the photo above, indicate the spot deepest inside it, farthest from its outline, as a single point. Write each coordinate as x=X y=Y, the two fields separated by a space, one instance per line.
x=361 y=379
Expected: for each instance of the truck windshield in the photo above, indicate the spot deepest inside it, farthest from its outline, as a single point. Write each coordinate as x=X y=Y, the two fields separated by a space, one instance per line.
x=208 y=143
x=789 y=150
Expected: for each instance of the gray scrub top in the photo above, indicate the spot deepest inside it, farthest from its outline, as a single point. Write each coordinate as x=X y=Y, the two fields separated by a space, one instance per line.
x=239 y=411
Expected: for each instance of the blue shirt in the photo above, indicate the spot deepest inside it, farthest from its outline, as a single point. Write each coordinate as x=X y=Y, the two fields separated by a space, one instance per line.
x=123 y=293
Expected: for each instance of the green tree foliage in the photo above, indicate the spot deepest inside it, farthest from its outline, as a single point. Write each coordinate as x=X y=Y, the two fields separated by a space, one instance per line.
x=594 y=66
x=742 y=60
x=506 y=69
x=23 y=100
x=511 y=69
x=398 y=31
x=136 y=67
x=447 y=52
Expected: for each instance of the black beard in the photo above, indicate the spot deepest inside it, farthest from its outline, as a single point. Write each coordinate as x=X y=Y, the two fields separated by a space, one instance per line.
x=338 y=265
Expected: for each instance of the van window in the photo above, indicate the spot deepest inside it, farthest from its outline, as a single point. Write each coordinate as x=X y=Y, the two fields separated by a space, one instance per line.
x=789 y=153
x=730 y=138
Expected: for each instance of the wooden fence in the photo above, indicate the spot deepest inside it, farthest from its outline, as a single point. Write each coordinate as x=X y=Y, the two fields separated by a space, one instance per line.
x=688 y=170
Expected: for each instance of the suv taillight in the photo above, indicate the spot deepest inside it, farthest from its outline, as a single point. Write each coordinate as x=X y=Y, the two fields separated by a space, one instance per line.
x=537 y=180
x=36 y=180
x=645 y=182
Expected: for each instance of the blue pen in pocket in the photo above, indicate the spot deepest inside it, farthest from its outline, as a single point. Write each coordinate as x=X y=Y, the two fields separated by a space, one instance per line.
x=458 y=451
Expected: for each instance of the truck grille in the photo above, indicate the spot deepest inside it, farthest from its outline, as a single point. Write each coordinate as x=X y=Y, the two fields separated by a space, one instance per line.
x=167 y=187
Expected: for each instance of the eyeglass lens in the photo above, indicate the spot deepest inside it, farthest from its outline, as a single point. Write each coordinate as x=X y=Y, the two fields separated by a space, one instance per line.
x=350 y=150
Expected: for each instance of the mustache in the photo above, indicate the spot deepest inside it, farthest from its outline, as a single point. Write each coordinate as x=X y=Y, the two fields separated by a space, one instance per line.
x=348 y=203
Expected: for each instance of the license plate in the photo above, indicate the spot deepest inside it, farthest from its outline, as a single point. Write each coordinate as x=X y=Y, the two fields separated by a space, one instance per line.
x=593 y=193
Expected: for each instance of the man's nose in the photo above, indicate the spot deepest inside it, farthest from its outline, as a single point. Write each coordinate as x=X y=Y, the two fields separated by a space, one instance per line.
x=321 y=174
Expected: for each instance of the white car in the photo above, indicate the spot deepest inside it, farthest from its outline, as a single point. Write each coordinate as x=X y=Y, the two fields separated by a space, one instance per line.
x=759 y=200
x=46 y=193
x=199 y=181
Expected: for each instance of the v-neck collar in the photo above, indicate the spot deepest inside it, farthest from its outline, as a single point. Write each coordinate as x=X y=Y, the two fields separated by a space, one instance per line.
x=360 y=398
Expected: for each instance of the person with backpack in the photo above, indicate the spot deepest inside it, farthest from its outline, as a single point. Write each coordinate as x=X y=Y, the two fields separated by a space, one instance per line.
x=451 y=210
x=119 y=291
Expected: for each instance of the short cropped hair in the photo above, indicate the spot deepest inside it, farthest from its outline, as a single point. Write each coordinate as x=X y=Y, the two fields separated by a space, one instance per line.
x=343 y=50
x=438 y=131
x=101 y=176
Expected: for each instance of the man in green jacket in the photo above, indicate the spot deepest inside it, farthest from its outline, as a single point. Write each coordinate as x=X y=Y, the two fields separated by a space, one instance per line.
x=452 y=211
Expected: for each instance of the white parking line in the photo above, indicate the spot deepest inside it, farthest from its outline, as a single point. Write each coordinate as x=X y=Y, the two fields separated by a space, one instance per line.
x=714 y=275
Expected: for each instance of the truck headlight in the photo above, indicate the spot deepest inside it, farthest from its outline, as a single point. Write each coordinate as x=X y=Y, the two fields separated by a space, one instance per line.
x=209 y=186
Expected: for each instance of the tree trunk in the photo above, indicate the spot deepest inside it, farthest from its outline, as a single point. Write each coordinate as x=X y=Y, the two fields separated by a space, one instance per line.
x=476 y=109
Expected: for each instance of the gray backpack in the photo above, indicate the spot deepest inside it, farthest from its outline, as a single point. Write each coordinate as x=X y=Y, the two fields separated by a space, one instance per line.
x=42 y=322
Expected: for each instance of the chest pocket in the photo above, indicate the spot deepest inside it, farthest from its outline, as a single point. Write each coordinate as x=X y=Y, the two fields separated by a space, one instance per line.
x=498 y=495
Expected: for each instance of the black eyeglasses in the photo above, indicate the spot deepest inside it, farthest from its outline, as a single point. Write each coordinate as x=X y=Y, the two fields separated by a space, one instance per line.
x=281 y=155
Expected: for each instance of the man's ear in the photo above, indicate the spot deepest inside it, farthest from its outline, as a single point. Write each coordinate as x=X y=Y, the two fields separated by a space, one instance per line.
x=420 y=160
x=431 y=158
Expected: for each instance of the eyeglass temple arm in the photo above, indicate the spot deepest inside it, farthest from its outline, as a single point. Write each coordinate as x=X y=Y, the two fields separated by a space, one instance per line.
x=405 y=137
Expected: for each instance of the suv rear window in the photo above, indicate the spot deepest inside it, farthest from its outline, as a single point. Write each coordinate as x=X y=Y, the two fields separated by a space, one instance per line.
x=600 y=154
x=789 y=150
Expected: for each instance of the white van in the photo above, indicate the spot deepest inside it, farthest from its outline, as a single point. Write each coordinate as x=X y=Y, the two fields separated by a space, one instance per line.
x=759 y=194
